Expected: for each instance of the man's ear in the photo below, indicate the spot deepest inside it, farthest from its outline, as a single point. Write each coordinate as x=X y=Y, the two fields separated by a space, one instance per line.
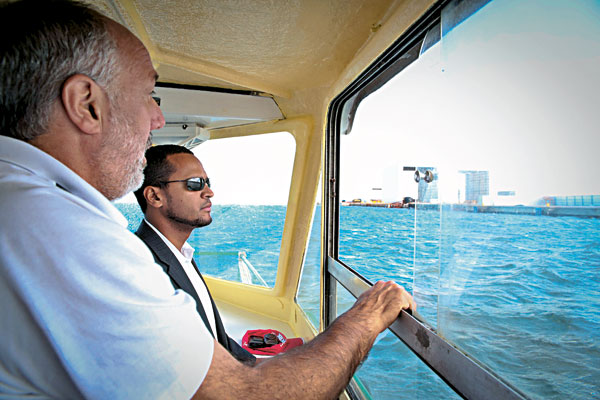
x=154 y=196
x=84 y=103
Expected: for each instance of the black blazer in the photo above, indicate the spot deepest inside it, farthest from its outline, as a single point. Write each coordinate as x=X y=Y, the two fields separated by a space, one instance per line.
x=167 y=260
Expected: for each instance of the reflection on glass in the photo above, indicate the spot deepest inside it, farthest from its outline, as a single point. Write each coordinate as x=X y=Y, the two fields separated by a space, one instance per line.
x=310 y=282
x=502 y=249
x=426 y=260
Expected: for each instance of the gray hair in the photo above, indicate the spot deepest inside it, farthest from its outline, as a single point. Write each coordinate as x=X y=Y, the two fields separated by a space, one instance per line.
x=44 y=42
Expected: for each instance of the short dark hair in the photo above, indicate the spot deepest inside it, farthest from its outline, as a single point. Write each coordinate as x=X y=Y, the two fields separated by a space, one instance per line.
x=44 y=42
x=158 y=168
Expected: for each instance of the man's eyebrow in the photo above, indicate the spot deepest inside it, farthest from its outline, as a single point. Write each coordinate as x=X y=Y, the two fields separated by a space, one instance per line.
x=155 y=77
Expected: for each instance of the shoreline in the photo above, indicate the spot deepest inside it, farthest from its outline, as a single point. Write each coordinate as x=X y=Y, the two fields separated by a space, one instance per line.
x=553 y=211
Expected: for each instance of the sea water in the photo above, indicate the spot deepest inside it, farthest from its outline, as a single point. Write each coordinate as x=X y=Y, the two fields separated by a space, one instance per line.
x=519 y=293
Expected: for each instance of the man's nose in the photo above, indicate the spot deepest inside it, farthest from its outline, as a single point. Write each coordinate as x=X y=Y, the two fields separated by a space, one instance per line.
x=158 y=119
x=208 y=192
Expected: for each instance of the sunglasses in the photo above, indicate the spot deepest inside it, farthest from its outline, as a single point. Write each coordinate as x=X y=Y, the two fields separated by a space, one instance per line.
x=258 y=342
x=193 y=184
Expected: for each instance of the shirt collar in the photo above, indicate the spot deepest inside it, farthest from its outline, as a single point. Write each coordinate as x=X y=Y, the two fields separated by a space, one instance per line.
x=42 y=164
x=187 y=251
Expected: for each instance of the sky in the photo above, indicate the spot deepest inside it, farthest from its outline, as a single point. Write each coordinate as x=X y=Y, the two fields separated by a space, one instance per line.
x=250 y=170
x=513 y=91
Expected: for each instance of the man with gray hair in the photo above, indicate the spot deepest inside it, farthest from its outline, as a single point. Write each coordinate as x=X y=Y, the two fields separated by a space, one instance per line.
x=86 y=312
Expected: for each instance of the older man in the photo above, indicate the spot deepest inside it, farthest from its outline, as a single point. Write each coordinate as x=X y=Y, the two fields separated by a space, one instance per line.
x=86 y=312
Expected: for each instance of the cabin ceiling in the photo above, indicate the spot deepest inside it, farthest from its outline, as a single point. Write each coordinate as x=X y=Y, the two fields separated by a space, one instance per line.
x=270 y=46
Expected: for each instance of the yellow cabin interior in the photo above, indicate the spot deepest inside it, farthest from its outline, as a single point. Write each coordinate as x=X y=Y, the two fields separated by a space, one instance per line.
x=296 y=55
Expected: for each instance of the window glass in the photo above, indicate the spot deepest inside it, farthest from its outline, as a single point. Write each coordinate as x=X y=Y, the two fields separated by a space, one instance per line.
x=132 y=211
x=502 y=248
x=384 y=372
x=251 y=179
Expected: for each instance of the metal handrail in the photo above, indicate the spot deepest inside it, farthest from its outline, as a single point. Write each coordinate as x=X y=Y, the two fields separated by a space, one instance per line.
x=464 y=375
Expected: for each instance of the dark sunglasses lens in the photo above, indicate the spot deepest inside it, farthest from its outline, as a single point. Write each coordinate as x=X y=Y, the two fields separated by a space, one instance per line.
x=197 y=184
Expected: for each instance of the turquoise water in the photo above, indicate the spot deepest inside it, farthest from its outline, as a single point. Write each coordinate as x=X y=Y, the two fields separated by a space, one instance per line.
x=520 y=293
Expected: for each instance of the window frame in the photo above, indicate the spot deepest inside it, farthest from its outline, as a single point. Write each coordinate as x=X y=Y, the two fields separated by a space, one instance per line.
x=464 y=375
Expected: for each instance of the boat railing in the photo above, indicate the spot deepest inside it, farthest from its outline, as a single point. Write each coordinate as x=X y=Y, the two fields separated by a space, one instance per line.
x=247 y=270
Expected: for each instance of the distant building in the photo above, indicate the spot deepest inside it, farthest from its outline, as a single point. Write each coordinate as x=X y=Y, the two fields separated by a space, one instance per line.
x=570 y=201
x=477 y=185
x=428 y=191
x=399 y=183
x=506 y=193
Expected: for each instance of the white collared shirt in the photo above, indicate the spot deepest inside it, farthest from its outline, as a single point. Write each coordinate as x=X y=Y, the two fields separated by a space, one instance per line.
x=86 y=312
x=185 y=259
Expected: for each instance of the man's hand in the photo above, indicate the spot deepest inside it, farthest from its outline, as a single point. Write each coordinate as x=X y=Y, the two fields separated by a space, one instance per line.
x=319 y=369
x=381 y=304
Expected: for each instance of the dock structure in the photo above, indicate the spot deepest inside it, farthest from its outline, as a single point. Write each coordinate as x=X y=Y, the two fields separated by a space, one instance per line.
x=552 y=211
x=384 y=205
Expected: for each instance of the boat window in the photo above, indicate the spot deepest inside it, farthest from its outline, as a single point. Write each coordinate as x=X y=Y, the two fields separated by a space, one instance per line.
x=471 y=178
x=251 y=178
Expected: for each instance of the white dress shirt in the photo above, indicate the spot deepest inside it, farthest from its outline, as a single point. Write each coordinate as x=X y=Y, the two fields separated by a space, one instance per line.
x=86 y=312
x=185 y=259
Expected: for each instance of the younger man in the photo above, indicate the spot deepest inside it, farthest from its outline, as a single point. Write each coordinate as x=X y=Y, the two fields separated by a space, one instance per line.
x=175 y=199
